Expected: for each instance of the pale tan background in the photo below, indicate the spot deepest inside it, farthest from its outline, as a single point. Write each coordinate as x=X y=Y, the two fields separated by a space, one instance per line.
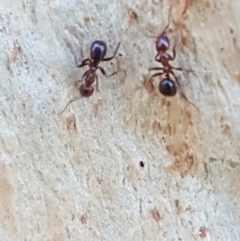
x=77 y=177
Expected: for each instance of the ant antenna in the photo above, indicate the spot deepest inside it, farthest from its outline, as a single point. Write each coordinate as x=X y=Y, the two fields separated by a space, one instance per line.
x=72 y=100
x=169 y=15
x=165 y=29
x=125 y=31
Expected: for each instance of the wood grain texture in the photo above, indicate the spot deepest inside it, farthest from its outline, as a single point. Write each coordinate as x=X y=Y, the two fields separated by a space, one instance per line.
x=145 y=167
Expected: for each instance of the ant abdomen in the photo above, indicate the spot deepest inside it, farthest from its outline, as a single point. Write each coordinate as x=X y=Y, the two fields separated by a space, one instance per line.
x=167 y=87
x=86 y=91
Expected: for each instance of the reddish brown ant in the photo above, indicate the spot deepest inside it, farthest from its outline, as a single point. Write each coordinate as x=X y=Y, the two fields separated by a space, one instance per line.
x=98 y=51
x=167 y=86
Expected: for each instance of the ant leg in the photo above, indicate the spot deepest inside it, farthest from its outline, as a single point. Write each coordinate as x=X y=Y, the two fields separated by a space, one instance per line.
x=96 y=107
x=148 y=82
x=174 y=48
x=157 y=74
x=72 y=100
x=174 y=51
x=175 y=77
x=107 y=59
x=84 y=75
x=184 y=70
x=97 y=86
x=84 y=62
x=78 y=82
x=181 y=91
x=155 y=68
x=176 y=68
x=185 y=98
x=157 y=58
x=104 y=73
x=190 y=70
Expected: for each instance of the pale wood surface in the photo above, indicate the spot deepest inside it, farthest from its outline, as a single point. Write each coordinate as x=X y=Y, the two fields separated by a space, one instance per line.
x=76 y=176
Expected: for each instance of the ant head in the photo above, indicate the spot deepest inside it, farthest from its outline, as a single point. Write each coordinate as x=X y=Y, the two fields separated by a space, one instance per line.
x=162 y=42
x=167 y=87
x=98 y=50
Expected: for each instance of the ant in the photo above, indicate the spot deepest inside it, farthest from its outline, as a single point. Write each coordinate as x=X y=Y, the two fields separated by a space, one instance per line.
x=167 y=86
x=98 y=51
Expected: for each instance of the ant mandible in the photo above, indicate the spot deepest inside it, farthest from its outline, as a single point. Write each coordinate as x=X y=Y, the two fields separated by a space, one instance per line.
x=98 y=52
x=167 y=86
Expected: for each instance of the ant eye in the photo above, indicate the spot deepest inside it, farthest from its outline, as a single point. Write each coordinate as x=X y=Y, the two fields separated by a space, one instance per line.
x=167 y=87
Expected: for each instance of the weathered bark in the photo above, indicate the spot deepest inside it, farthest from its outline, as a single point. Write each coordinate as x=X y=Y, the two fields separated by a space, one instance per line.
x=146 y=167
